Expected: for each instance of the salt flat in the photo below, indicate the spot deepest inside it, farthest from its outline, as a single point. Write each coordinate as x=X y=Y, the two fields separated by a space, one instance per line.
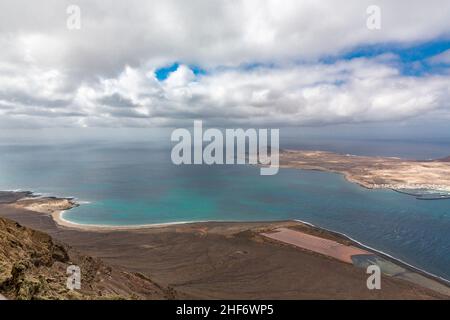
x=320 y=245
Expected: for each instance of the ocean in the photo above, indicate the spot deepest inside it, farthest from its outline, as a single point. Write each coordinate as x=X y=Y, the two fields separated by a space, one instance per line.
x=132 y=182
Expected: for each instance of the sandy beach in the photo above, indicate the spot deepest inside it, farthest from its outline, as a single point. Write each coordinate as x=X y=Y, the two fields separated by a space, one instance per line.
x=216 y=260
x=56 y=207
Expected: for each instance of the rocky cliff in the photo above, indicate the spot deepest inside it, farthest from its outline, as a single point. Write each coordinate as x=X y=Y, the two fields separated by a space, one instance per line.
x=34 y=266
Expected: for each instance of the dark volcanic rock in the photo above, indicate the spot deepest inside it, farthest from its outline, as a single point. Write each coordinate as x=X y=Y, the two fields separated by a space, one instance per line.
x=33 y=266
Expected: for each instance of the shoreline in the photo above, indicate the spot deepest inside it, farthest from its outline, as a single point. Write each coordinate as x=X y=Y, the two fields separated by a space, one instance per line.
x=382 y=253
x=52 y=210
x=395 y=188
x=57 y=217
x=373 y=172
x=60 y=221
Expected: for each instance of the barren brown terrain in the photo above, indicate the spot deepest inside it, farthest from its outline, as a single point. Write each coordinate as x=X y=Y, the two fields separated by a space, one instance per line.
x=217 y=260
x=374 y=172
x=34 y=266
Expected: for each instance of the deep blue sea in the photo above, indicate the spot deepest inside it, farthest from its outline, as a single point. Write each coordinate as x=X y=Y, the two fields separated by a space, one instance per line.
x=129 y=183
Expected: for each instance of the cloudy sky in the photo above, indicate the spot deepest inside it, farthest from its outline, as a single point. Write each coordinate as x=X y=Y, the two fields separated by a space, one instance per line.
x=263 y=63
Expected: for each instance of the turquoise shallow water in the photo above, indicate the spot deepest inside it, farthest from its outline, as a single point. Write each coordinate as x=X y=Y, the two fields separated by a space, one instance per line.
x=130 y=184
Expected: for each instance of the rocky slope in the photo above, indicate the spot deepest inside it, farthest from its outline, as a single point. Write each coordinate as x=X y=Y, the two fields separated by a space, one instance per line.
x=33 y=266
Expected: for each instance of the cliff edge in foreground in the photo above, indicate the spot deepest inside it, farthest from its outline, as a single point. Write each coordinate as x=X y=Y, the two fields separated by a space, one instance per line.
x=34 y=266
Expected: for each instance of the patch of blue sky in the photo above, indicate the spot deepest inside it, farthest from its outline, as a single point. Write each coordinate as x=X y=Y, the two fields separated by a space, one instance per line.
x=413 y=59
x=163 y=72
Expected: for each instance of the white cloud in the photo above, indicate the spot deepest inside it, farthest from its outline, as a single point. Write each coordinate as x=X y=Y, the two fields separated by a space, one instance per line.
x=205 y=32
x=180 y=77
x=443 y=57
x=355 y=91
x=103 y=74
